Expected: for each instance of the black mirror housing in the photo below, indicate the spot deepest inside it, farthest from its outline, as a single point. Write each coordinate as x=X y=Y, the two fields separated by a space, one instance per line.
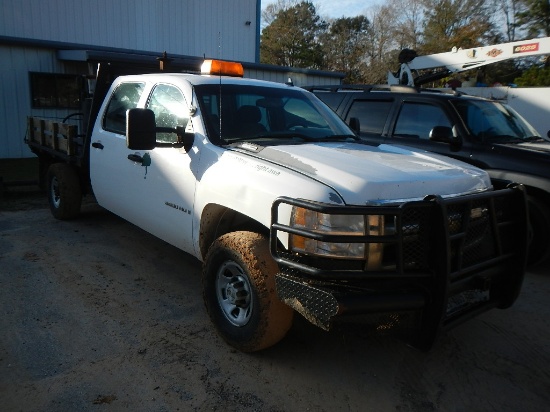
x=442 y=134
x=355 y=125
x=140 y=129
x=448 y=135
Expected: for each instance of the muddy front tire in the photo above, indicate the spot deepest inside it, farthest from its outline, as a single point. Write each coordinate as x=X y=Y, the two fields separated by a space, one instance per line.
x=64 y=191
x=239 y=292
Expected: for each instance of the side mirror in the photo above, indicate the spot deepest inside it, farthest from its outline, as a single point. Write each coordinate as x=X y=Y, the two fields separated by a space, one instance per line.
x=441 y=134
x=448 y=135
x=140 y=129
x=355 y=125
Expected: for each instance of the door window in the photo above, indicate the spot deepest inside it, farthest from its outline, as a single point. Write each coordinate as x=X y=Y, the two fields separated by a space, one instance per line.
x=418 y=119
x=372 y=114
x=168 y=104
x=126 y=96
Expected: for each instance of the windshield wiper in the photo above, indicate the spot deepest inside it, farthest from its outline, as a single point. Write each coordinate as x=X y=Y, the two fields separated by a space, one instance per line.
x=284 y=135
x=534 y=139
x=505 y=138
x=339 y=137
x=292 y=135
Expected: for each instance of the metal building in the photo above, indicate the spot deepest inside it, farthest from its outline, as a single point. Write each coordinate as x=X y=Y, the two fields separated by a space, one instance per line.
x=49 y=50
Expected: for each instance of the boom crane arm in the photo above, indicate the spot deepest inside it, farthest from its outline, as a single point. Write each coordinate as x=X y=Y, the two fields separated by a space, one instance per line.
x=459 y=60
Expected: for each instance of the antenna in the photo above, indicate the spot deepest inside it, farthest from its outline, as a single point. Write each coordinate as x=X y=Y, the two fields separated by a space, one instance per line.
x=220 y=91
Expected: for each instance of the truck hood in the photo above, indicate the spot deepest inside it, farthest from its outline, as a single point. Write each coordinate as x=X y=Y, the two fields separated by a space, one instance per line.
x=539 y=146
x=364 y=174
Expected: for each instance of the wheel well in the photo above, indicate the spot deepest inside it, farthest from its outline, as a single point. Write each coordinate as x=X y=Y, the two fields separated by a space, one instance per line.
x=45 y=161
x=218 y=220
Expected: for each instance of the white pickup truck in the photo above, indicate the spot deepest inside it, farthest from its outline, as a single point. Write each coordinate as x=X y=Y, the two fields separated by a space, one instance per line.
x=287 y=209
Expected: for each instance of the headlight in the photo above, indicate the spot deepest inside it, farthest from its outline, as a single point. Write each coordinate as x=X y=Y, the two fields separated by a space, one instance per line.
x=349 y=225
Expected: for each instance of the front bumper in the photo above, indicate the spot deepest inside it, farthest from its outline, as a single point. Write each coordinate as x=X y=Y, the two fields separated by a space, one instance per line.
x=446 y=259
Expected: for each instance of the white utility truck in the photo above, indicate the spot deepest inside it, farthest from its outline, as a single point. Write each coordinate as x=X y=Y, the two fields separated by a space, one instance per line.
x=287 y=209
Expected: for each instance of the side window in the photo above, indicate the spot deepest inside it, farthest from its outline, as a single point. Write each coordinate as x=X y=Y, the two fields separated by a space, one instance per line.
x=301 y=113
x=168 y=104
x=418 y=119
x=372 y=114
x=332 y=100
x=126 y=96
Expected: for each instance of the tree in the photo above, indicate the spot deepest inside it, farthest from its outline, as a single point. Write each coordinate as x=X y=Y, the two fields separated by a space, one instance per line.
x=460 y=23
x=534 y=77
x=365 y=48
x=292 y=38
x=408 y=15
x=381 y=51
x=344 y=45
x=269 y=14
x=534 y=17
x=508 y=9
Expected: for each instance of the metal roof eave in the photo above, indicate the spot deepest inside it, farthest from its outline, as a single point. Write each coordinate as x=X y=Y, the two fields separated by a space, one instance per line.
x=87 y=53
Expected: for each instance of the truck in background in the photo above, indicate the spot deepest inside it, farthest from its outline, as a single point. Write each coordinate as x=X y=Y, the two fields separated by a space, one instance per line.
x=287 y=209
x=532 y=102
x=482 y=132
x=488 y=135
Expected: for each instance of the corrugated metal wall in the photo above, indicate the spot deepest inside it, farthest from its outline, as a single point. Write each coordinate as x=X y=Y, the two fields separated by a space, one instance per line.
x=226 y=29
x=15 y=103
x=298 y=78
x=215 y=28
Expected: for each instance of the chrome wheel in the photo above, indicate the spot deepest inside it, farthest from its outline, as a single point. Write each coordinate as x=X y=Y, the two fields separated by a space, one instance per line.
x=233 y=291
x=55 y=194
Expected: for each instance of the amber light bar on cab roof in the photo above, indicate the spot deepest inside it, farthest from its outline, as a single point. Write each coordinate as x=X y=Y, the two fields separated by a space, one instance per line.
x=222 y=68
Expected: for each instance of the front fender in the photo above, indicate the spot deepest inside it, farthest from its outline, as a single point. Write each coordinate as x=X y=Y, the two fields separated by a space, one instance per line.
x=249 y=186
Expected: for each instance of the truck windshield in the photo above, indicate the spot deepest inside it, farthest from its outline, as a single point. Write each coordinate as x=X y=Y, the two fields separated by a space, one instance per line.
x=271 y=115
x=495 y=122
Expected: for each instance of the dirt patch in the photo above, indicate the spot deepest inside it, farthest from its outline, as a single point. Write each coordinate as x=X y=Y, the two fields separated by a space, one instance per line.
x=98 y=315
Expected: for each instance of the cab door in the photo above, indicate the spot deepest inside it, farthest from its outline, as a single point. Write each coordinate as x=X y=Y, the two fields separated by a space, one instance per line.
x=154 y=189
x=112 y=175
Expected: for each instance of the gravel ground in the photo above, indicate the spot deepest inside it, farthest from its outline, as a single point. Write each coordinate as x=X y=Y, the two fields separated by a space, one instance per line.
x=98 y=315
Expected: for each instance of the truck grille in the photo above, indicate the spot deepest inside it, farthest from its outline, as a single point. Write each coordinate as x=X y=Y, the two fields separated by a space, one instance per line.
x=431 y=236
x=447 y=260
x=477 y=231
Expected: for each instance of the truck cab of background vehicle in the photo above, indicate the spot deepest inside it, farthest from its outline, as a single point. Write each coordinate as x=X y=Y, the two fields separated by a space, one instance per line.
x=484 y=133
x=287 y=208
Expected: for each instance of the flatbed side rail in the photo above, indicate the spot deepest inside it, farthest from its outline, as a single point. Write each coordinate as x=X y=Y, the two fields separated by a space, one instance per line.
x=59 y=139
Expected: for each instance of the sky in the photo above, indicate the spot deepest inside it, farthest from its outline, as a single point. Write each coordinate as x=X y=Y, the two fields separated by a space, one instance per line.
x=337 y=8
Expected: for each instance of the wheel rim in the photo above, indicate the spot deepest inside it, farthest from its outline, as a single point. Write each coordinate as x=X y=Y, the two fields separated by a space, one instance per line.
x=54 y=192
x=233 y=292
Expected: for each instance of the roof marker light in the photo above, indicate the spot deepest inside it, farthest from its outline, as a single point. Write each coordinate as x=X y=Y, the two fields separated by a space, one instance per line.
x=222 y=68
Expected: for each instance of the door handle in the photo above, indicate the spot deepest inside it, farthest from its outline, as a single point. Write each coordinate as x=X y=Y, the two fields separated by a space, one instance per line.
x=135 y=158
x=97 y=145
